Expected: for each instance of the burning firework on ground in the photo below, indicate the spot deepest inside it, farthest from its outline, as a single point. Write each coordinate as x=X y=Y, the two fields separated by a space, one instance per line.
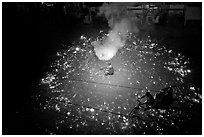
x=95 y=84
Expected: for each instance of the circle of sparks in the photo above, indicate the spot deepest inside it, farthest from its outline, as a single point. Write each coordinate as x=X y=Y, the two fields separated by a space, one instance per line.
x=91 y=103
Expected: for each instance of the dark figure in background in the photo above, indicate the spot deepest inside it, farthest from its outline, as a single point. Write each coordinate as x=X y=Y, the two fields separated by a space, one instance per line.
x=162 y=100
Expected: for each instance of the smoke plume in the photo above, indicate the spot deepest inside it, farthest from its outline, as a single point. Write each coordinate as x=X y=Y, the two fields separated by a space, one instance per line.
x=121 y=21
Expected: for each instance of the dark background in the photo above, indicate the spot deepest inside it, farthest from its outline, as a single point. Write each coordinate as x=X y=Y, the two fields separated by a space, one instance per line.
x=32 y=37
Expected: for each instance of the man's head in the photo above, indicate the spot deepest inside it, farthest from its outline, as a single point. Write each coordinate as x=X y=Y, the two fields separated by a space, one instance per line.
x=148 y=94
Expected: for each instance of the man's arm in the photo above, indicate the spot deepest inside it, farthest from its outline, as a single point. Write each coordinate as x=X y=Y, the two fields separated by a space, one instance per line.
x=141 y=97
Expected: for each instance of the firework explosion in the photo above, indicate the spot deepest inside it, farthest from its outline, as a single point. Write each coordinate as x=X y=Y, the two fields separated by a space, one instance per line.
x=90 y=102
x=121 y=23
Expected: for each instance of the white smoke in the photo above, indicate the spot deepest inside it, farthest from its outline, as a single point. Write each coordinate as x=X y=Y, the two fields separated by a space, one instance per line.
x=121 y=21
